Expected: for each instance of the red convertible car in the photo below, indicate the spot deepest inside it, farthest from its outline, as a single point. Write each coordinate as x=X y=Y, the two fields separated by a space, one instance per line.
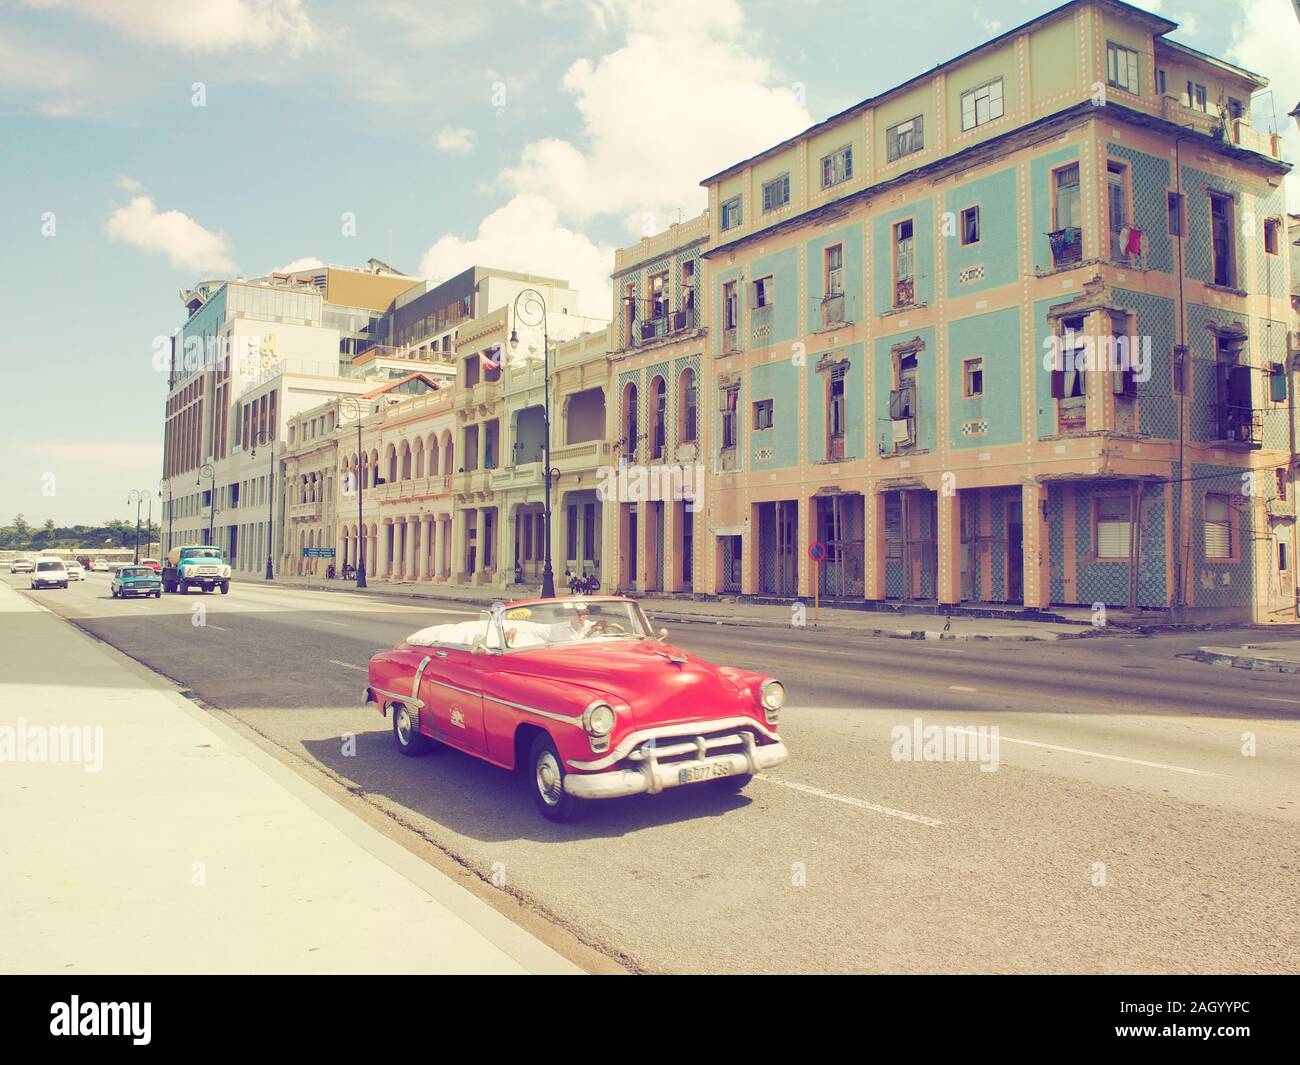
x=581 y=695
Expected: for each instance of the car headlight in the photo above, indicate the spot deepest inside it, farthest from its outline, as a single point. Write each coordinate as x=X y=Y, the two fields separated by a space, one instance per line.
x=772 y=696
x=599 y=719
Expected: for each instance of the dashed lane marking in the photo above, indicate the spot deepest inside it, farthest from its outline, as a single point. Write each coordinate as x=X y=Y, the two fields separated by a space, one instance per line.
x=849 y=800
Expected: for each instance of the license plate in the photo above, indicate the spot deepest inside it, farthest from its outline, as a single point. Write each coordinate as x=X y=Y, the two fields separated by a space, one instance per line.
x=703 y=772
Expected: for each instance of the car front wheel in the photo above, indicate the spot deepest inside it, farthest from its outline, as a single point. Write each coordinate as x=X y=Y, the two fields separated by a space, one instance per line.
x=410 y=741
x=553 y=802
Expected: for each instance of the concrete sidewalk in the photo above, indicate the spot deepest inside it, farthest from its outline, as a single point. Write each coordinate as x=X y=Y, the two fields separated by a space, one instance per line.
x=163 y=841
x=756 y=615
x=1280 y=656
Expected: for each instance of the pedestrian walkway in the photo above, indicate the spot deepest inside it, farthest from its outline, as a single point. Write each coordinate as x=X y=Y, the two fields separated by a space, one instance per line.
x=900 y=625
x=1279 y=656
x=141 y=834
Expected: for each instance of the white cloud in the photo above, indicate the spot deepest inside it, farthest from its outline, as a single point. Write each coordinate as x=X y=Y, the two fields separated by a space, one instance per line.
x=128 y=184
x=1267 y=41
x=456 y=141
x=309 y=262
x=649 y=136
x=187 y=245
x=200 y=25
x=526 y=235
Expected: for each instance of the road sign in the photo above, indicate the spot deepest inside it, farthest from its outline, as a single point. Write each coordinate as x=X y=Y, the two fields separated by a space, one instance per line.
x=318 y=552
x=817 y=551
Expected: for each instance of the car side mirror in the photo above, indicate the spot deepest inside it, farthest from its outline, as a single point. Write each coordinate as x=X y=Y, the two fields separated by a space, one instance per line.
x=663 y=635
x=478 y=648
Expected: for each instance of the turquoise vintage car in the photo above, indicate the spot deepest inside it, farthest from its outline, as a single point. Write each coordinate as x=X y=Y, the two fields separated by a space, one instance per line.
x=136 y=580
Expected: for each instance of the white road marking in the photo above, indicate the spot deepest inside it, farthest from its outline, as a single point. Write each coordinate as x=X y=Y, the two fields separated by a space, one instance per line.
x=959 y=688
x=218 y=628
x=848 y=800
x=1113 y=757
x=340 y=624
x=348 y=665
x=1274 y=699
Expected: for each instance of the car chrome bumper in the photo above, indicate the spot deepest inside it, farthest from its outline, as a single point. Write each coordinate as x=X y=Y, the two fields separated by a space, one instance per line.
x=651 y=776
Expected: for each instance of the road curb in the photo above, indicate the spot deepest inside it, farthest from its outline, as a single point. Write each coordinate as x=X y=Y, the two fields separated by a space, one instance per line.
x=1243 y=661
x=895 y=634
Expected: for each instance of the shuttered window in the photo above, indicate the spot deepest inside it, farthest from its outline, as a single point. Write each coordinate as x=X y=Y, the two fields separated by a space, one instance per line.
x=1218 y=526
x=1114 y=526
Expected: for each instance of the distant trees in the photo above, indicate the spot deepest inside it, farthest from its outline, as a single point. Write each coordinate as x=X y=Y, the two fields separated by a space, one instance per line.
x=19 y=535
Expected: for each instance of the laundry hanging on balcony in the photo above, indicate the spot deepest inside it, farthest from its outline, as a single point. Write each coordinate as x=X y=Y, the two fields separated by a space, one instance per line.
x=1132 y=240
x=492 y=357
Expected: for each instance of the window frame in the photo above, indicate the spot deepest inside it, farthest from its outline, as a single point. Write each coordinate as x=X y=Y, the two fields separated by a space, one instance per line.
x=771 y=204
x=1114 y=52
x=916 y=135
x=735 y=207
x=763 y=414
x=973 y=94
x=1097 y=502
x=829 y=180
x=979 y=233
x=968 y=369
x=1231 y=525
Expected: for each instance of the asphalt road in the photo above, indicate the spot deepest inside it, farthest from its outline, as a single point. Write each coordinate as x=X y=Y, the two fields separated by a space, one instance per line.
x=1125 y=827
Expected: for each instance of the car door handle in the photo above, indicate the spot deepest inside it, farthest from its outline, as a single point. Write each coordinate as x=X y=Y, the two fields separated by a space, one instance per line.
x=439 y=654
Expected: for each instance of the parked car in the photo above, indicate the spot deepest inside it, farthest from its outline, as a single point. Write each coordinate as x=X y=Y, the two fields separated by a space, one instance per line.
x=199 y=565
x=100 y=565
x=135 y=580
x=49 y=573
x=76 y=571
x=22 y=564
x=152 y=563
x=581 y=696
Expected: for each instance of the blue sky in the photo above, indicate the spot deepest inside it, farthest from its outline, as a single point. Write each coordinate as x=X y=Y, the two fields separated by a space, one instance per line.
x=530 y=135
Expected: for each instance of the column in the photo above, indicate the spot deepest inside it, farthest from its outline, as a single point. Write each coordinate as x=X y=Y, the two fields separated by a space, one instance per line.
x=1037 y=549
x=422 y=569
x=415 y=547
x=949 y=547
x=480 y=537
x=381 y=551
x=805 y=567
x=874 y=547
x=749 y=554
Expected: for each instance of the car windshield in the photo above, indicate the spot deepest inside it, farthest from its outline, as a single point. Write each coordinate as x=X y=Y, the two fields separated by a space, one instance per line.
x=571 y=621
x=49 y=565
x=135 y=571
x=559 y=623
x=200 y=552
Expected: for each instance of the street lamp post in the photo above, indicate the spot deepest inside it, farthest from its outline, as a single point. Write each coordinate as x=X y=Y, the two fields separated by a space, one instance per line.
x=161 y=482
x=530 y=307
x=138 y=496
x=353 y=406
x=210 y=471
x=263 y=437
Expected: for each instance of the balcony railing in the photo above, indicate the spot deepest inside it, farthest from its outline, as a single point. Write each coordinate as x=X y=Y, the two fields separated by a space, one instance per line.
x=1235 y=131
x=1240 y=425
x=833 y=310
x=904 y=292
x=730 y=339
x=663 y=325
x=1067 y=245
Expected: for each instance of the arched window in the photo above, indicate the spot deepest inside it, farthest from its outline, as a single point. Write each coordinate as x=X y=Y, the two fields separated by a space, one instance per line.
x=659 y=417
x=631 y=429
x=688 y=401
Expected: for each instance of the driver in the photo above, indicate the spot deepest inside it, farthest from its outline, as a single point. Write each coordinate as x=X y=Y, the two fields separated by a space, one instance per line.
x=577 y=626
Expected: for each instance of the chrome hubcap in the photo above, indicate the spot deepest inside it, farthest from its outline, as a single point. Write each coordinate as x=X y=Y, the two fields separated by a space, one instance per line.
x=403 y=727
x=549 y=782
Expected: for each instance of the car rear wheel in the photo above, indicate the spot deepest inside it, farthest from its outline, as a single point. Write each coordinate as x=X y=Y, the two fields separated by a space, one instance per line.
x=410 y=741
x=553 y=802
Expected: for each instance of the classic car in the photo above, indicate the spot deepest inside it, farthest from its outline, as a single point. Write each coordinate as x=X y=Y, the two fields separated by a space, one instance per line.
x=135 y=580
x=582 y=697
x=21 y=564
x=152 y=563
x=75 y=571
x=99 y=565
